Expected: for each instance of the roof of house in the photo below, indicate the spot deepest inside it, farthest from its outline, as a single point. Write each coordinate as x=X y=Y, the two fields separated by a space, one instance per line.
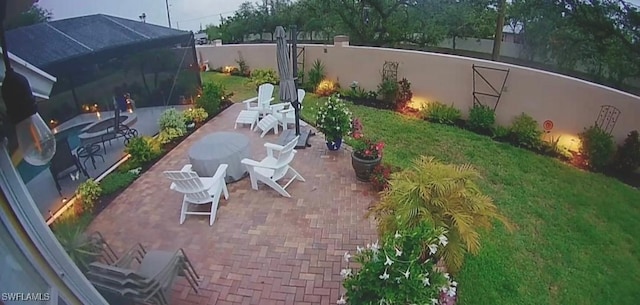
x=513 y=28
x=49 y=43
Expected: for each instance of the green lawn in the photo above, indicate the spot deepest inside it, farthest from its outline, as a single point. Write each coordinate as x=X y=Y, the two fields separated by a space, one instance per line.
x=574 y=240
x=238 y=85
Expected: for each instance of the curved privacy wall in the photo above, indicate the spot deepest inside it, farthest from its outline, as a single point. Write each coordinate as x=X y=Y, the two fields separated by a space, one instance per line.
x=571 y=104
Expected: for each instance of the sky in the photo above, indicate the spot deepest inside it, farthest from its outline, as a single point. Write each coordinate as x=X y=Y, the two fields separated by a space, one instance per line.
x=185 y=14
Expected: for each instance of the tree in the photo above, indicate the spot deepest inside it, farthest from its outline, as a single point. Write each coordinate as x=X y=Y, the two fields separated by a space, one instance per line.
x=497 y=40
x=600 y=35
x=33 y=15
x=468 y=18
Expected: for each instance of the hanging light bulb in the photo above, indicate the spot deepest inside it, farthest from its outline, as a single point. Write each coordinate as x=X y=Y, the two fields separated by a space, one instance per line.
x=35 y=139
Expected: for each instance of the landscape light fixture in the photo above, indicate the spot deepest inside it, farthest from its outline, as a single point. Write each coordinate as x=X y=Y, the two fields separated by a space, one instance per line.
x=35 y=139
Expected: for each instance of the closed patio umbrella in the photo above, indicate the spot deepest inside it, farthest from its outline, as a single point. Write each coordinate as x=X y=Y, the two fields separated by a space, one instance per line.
x=288 y=90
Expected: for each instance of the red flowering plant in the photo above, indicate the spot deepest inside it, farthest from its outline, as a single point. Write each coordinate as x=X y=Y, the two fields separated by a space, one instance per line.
x=364 y=147
x=381 y=175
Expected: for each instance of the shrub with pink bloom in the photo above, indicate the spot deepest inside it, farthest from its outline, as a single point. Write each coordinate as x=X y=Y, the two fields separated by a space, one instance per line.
x=364 y=147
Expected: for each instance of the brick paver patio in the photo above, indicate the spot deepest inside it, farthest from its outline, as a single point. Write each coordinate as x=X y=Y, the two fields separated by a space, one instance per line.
x=263 y=248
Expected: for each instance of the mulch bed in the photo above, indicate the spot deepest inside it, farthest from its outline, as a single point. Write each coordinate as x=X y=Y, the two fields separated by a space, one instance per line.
x=104 y=201
x=373 y=103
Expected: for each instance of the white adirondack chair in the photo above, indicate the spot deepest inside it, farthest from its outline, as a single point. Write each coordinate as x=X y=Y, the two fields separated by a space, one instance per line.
x=261 y=102
x=199 y=190
x=274 y=167
x=285 y=113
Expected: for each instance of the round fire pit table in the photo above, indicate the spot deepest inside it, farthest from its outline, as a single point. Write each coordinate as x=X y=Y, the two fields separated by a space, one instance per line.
x=220 y=148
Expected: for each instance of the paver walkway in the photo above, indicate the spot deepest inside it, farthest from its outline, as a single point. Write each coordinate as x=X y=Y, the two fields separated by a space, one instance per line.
x=263 y=248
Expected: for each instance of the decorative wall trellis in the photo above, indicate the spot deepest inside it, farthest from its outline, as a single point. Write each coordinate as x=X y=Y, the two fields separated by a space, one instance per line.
x=390 y=71
x=607 y=118
x=478 y=78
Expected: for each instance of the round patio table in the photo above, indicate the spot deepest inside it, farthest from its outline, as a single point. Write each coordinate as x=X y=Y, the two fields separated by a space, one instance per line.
x=220 y=148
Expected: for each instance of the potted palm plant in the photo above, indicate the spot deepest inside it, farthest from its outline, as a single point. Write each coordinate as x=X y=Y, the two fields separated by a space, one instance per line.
x=334 y=121
x=367 y=153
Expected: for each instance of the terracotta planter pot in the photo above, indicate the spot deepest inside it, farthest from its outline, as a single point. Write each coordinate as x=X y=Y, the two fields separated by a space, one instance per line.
x=363 y=167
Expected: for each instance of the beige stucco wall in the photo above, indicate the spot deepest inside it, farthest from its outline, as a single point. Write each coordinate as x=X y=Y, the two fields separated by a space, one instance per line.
x=570 y=103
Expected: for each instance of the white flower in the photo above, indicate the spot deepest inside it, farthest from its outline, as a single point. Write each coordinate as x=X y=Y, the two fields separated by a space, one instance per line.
x=434 y=301
x=398 y=252
x=406 y=273
x=338 y=127
x=425 y=281
x=375 y=247
x=444 y=289
x=388 y=262
x=433 y=248
x=397 y=235
x=447 y=276
x=443 y=240
x=385 y=275
x=347 y=256
x=452 y=292
x=360 y=249
x=345 y=273
x=341 y=301
x=454 y=284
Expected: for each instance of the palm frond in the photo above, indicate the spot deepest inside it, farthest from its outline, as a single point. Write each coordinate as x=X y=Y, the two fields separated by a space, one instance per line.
x=453 y=254
x=442 y=195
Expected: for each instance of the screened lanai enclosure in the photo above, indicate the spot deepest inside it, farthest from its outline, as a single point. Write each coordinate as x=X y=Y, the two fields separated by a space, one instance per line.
x=95 y=59
x=92 y=56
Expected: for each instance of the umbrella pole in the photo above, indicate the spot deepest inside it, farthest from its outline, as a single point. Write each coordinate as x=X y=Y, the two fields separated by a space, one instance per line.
x=294 y=59
x=297 y=112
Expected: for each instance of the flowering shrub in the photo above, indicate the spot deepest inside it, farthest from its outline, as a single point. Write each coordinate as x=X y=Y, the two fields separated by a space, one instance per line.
x=381 y=175
x=88 y=193
x=169 y=134
x=143 y=149
x=212 y=96
x=229 y=70
x=364 y=147
x=327 y=88
x=404 y=94
x=400 y=271
x=172 y=125
x=264 y=76
x=334 y=118
x=197 y=115
x=172 y=118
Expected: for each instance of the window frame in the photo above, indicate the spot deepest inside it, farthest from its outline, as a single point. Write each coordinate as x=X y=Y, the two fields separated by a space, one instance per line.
x=56 y=267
